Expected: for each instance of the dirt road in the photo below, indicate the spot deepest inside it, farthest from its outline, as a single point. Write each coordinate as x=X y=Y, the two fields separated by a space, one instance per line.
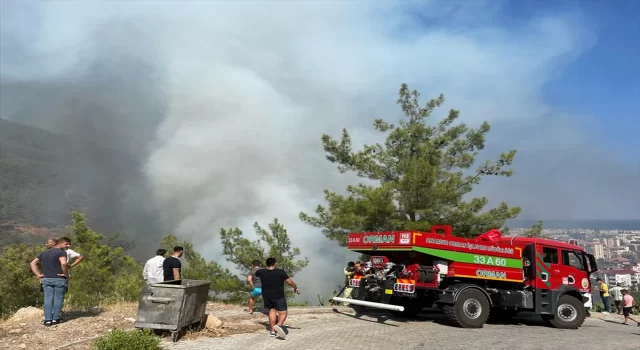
x=347 y=330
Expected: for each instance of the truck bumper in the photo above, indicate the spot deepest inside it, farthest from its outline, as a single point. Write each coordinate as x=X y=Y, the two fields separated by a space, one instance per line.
x=588 y=303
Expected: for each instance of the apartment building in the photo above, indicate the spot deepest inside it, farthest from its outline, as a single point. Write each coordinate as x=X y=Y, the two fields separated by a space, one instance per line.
x=624 y=277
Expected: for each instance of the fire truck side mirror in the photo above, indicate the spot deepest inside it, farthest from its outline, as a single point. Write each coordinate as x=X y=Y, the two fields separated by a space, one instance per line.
x=527 y=261
x=592 y=263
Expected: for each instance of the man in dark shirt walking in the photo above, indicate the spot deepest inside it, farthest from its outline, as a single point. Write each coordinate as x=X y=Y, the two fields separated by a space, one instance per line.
x=273 y=296
x=172 y=266
x=54 y=281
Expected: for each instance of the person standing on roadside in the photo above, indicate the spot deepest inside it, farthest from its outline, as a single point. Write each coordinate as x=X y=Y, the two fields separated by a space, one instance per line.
x=627 y=305
x=65 y=244
x=172 y=266
x=255 y=284
x=604 y=295
x=273 y=280
x=348 y=274
x=54 y=281
x=51 y=242
x=616 y=293
x=153 y=271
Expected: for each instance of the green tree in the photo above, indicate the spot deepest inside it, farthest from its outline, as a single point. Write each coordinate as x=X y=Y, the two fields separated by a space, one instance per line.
x=223 y=283
x=18 y=286
x=274 y=242
x=535 y=230
x=415 y=179
x=107 y=274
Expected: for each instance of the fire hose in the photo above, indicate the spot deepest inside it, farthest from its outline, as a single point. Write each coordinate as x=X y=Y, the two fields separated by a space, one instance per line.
x=340 y=292
x=371 y=304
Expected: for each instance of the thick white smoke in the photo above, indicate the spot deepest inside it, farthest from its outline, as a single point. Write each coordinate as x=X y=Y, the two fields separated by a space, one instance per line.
x=249 y=87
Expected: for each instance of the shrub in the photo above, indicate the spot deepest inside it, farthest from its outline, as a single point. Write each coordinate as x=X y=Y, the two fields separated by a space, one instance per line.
x=119 y=339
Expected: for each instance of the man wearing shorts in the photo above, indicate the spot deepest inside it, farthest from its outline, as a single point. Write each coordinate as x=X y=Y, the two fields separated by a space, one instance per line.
x=627 y=305
x=272 y=280
x=255 y=284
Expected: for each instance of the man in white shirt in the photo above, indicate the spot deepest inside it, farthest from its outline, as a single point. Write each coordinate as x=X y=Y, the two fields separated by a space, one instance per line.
x=65 y=243
x=153 y=272
x=616 y=293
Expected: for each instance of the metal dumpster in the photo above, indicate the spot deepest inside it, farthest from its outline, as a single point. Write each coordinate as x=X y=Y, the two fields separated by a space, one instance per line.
x=172 y=305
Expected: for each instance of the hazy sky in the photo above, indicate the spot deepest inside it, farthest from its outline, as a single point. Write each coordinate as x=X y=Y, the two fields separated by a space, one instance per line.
x=223 y=103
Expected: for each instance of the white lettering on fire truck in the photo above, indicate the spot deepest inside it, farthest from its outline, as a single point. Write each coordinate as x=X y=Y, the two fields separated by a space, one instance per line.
x=379 y=239
x=491 y=274
x=488 y=248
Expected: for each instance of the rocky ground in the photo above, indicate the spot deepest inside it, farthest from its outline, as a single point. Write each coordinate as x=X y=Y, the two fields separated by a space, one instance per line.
x=24 y=331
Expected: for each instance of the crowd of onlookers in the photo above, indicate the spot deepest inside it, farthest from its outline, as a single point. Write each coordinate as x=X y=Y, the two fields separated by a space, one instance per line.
x=58 y=259
x=622 y=300
x=266 y=282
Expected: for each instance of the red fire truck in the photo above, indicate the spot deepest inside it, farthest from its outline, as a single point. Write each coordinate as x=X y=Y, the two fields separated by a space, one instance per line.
x=473 y=279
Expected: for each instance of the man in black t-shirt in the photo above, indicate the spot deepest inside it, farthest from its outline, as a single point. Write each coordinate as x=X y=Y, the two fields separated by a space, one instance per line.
x=171 y=266
x=273 y=280
x=54 y=281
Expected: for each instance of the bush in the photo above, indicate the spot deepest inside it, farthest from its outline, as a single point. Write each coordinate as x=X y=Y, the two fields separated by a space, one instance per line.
x=119 y=339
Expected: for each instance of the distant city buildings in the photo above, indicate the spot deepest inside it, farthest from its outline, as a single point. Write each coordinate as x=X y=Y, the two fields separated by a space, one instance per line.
x=596 y=249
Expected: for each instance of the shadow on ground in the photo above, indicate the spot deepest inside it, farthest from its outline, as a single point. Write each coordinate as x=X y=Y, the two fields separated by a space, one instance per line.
x=72 y=315
x=380 y=318
x=438 y=317
x=286 y=329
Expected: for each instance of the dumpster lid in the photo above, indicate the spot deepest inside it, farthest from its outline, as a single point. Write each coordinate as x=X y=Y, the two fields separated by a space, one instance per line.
x=181 y=283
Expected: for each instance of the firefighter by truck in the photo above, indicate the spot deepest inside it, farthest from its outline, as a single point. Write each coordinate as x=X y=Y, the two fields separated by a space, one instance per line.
x=472 y=280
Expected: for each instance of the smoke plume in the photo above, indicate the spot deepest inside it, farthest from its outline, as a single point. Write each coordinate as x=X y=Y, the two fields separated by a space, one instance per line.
x=217 y=108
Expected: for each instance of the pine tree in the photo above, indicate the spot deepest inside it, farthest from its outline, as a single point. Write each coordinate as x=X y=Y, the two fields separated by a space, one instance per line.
x=274 y=242
x=415 y=179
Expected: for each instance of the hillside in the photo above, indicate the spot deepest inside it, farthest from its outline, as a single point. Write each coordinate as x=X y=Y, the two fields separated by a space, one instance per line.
x=44 y=176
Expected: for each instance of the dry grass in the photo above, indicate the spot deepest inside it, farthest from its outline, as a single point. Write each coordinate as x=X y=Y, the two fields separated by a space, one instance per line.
x=122 y=306
x=79 y=325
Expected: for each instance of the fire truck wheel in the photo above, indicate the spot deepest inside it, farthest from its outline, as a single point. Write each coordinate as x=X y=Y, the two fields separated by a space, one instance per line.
x=471 y=309
x=570 y=313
